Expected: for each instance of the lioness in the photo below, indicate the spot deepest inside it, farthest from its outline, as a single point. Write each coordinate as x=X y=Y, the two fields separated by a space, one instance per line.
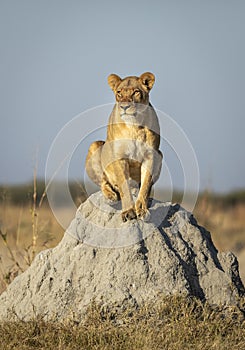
x=131 y=149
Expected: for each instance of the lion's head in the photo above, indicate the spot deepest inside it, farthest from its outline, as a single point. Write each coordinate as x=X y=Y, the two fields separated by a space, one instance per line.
x=131 y=93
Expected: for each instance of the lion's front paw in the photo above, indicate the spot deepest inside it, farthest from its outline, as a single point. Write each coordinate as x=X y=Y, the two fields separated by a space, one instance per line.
x=142 y=211
x=128 y=215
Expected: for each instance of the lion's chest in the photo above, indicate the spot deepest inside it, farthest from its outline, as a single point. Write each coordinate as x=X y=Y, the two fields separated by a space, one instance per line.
x=132 y=146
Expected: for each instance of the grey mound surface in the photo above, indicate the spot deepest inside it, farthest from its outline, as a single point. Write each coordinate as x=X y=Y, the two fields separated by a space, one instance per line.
x=122 y=264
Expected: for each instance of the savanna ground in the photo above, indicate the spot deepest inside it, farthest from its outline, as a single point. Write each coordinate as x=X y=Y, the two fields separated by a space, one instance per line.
x=26 y=228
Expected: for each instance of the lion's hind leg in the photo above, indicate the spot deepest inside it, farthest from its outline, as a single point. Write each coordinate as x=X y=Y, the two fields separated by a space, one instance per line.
x=93 y=162
x=108 y=191
x=96 y=173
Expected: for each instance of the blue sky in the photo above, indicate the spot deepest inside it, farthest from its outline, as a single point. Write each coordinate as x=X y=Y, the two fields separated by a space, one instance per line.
x=56 y=56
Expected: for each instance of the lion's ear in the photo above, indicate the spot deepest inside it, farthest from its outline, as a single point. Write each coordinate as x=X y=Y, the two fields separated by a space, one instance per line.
x=113 y=81
x=147 y=80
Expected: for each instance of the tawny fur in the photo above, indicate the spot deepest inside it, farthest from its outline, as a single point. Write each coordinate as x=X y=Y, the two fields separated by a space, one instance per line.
x=131 y=149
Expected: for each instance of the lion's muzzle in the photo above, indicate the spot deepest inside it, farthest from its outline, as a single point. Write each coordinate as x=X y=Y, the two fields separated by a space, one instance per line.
x=127 y=108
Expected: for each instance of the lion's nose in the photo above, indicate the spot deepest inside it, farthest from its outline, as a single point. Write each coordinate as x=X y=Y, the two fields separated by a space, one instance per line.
x=125 y=107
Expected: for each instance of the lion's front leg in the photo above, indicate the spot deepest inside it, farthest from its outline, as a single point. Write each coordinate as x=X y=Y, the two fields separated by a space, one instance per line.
x=150 y=171
x=118 y=174
x=141 y=204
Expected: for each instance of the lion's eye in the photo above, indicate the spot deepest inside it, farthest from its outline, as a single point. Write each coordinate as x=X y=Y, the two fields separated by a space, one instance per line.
x=136 y=92
x=119 y=95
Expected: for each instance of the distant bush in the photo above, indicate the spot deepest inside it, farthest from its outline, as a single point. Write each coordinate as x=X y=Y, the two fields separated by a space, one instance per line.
x=23 y=194
x=235 y=197
x=17 y=194
x=224 y=199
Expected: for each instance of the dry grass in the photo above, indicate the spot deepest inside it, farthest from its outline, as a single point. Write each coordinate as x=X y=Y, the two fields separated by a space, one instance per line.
x=176 y=324
x=227 y=227
x=16 y=238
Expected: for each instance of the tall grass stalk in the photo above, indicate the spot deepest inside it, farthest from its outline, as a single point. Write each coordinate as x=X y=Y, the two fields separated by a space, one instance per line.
x=34 y=215
x=19 y=225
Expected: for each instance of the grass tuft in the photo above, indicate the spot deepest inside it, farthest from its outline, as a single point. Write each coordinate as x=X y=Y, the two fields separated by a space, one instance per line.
x=175 y=324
